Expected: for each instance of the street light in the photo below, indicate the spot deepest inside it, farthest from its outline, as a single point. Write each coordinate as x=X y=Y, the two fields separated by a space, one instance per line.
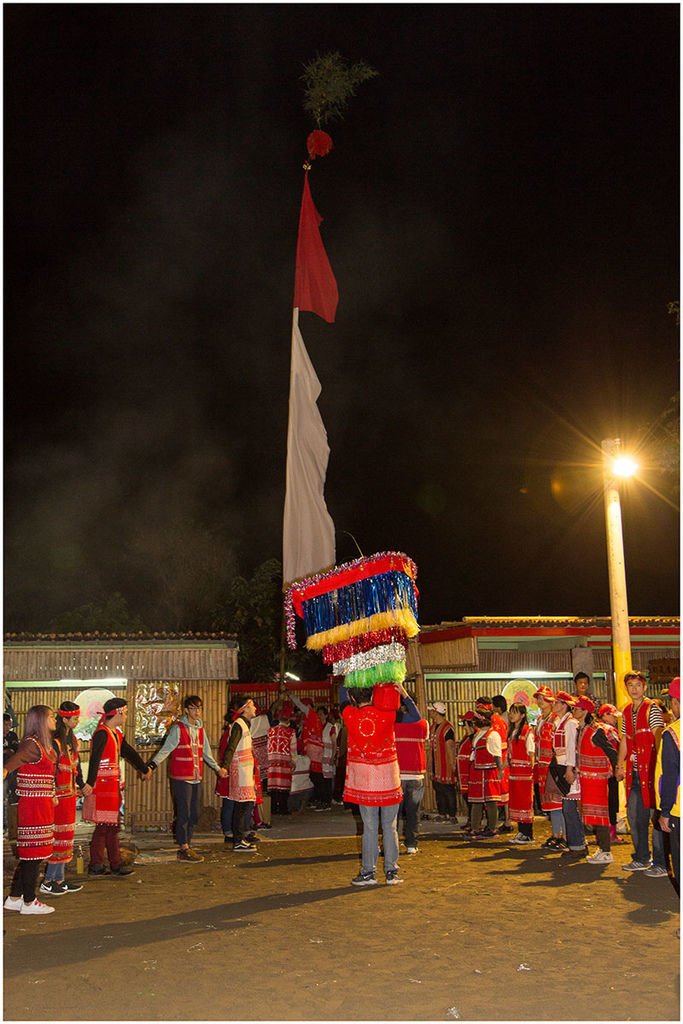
x=616 y=464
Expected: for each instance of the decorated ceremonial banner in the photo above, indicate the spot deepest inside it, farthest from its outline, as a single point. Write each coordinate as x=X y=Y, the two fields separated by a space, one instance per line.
x=360 y=616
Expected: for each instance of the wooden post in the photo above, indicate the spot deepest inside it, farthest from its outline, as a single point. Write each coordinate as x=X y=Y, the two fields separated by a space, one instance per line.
x=428 y=802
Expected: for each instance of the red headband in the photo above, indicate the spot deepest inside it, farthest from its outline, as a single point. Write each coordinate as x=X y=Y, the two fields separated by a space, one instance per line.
x=70 y=714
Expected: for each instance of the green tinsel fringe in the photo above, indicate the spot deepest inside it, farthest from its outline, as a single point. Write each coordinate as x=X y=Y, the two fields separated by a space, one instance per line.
x=387 y=672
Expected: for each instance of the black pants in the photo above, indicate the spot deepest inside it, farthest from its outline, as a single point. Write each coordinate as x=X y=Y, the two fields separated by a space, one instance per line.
x=445 y=798
x=526 y=828
x=241 y=819
x=186 y=800
x=25 y=880
x=279 y=801
x=537 y=800
x=602 y=837
x=319 y=788
x=612 y=800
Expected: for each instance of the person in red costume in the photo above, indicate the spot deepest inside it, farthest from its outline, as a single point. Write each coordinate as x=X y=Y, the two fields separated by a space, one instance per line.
x=36 y=763
x=641 y=734
x=103 y=787
x=188 y=749
x=373 y=778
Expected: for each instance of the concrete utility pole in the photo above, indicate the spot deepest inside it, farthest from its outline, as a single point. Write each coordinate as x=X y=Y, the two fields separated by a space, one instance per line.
x=621 y=639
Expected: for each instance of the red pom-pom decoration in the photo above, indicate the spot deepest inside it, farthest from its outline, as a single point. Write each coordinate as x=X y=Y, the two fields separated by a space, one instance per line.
x=318 y=144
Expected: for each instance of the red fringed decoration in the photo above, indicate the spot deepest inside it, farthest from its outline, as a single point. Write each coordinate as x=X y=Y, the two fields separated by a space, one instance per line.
x=318 y=144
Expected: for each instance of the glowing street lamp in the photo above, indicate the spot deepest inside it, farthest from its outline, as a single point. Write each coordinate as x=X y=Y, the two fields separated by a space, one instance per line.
x=617 y=465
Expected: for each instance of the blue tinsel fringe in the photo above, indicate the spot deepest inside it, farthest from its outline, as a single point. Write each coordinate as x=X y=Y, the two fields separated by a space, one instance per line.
x=358 y=601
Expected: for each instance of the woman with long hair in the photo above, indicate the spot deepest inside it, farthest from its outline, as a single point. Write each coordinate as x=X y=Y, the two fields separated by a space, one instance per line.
x=521 y=754
x=68 y=778
x=36 y=762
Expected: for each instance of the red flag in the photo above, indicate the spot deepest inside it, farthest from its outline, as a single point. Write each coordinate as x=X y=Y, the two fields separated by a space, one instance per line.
x=315 y=288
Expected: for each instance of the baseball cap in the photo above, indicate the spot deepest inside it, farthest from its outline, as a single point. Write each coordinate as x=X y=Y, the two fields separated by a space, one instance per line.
x=438 y=706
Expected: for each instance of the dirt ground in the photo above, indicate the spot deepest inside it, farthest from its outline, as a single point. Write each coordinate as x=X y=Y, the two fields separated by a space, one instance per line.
x=477 y=932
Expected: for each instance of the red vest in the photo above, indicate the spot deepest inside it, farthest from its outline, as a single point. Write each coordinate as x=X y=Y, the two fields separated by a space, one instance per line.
x=545 y=728
x=186 y=761
x=463 y=763
x=410 y=746
x=594 y=771
x=520 y=765
x=441 y=772
x=482 y=758
x=498 y=725
x=610 y=732
x=372 y=774
x=103 y=805
x=67 y=769
x=312 y=733
x=560 y=738
x=641 y=743
x=520 y=779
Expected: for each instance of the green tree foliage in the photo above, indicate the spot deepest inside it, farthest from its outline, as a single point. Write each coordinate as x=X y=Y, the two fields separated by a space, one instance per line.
x=330 y=81
x=253 y=610
x=112 y=615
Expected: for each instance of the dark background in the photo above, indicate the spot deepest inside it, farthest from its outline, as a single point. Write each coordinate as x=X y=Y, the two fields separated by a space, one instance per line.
x=501 y=212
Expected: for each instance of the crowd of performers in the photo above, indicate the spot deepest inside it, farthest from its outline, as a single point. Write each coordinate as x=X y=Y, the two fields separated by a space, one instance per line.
x=568 y=766
x=370 y=753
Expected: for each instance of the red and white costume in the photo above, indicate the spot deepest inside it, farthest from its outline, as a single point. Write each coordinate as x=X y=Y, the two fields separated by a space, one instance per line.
x=281 y=754
x=410 y=748
x=36 y=811
x=521 y=775
x=103 y=804
x=484 y=782
x=441 y=770
x=462 y=761
x=499 y=724
x=260 y=726
x=185 y=761
x=594 y=772
x=372 y=772
x=545 y=729
x=65 y=811
x=640 y=749
x=312 y=734
x=241 y=785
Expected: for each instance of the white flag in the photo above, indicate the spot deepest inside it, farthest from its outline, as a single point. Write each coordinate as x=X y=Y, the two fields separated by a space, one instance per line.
x=308 y=534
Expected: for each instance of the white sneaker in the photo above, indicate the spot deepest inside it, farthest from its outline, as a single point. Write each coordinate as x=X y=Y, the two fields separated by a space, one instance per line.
x=411 y=849
x=521 y=840
x=36 y=908
x=600 y=857
x=13 y=903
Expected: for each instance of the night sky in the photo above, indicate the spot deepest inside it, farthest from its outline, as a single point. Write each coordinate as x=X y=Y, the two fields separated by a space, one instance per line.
x=501 y=213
